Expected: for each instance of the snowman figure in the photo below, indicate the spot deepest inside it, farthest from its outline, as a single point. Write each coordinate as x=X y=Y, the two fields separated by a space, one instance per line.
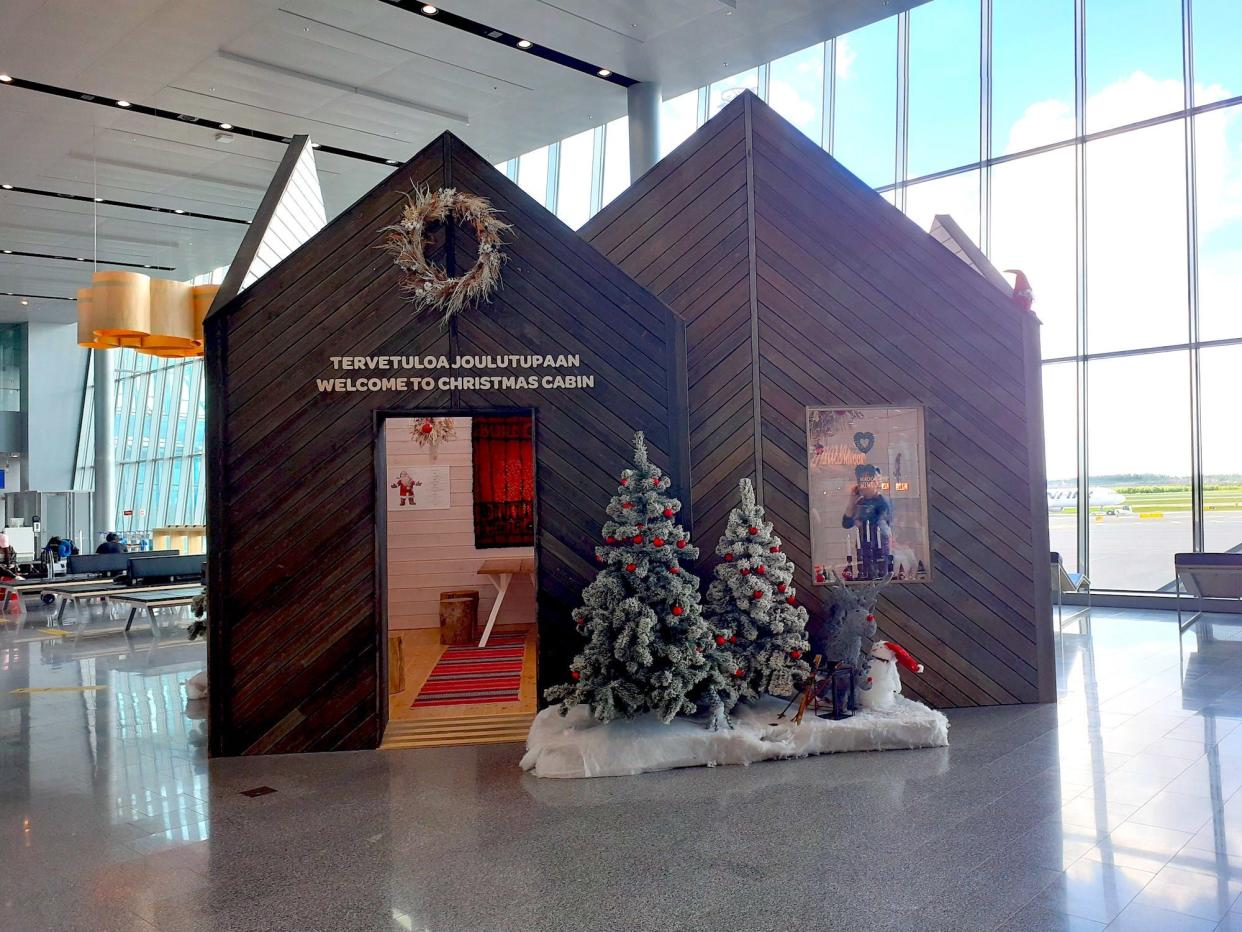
x=883 y=678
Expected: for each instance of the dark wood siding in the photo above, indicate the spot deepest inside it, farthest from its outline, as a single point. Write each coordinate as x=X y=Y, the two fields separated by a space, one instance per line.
x=801 y=286
x=296 y=651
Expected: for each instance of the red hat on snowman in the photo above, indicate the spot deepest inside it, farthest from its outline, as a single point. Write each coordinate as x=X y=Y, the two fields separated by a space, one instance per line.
x=904 y=657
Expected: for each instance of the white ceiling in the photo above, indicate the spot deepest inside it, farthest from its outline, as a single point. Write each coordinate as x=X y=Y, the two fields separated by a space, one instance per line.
x=359 y=74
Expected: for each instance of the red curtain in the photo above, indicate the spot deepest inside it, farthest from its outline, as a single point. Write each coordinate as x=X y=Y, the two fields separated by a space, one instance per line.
x=504 y=481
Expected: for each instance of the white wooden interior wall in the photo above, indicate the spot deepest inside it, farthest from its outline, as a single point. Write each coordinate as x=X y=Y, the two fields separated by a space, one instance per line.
x=433 y=551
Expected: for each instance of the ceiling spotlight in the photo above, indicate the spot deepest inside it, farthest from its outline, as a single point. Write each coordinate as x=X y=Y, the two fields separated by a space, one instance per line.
x=604 y=73
x=123 y=103
x=392 y=162
x=99 y=200
x=6 y=78
x=226 y=125
x=80 y=259
x=8 y=252
x=178 y=210
x=7 y=187
x=524 y=43
x=429 y=9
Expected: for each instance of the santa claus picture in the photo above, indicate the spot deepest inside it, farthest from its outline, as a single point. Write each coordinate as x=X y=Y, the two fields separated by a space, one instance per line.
x=405 y=486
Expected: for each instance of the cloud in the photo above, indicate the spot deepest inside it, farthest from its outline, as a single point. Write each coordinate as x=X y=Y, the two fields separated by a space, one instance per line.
x=846 y=56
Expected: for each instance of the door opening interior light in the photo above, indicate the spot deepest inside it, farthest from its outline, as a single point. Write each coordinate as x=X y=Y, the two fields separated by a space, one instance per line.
x=524 y=43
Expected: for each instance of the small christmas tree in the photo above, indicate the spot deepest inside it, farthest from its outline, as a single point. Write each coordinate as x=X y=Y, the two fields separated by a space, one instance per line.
x=752 y=604
x=648 y=648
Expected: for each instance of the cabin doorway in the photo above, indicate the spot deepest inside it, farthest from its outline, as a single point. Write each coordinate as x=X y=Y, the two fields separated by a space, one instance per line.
x=458 y=559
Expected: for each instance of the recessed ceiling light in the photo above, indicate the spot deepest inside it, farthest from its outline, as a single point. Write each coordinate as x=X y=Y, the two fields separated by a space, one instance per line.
x=123 y=103
x=226 y=125
x=524 y=43
x=6 y=78
x=80 y=259
x=178 y=210
x=99 y=200
x=604 y=73
x=392 y=162
x=7 y=187
x=8 y=252
x=429 y=9
x=314 y=145
x=146 y=266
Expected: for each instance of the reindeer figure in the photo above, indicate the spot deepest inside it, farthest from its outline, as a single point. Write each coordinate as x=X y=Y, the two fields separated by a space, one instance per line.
x=846 y=635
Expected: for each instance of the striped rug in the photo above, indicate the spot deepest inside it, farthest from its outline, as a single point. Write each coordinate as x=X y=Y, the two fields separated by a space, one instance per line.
x=468 y=674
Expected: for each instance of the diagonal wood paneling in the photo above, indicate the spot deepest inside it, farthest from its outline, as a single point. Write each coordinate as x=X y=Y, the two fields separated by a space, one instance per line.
x=297 y=645
x=800 y=286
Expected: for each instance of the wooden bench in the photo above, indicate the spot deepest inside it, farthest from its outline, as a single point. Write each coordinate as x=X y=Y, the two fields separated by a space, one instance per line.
x=65 y=593
x=153 y=598
x=500 y=573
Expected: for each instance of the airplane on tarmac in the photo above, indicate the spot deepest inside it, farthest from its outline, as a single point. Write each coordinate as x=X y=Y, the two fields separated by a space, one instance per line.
x=1109 y=499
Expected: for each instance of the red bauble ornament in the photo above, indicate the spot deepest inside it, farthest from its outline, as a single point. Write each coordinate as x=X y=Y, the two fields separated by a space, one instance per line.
x=427 y=427
x=780 y=588
x=774 y=550
x=732 y=638
x=752 y=530
x=576 y=675
x=729 y=557
x=581 y=622
x=659 y=541
x=760 y=569
x=744 y=571
x=598 y=558
x=625 y=481
x=638 y=538
x=795 y=654
x=681 y=543
x=677 y=609
x=871 y=617
x=674 y=570
x=627 y=504
x=720 y=639
x=758 y=593
x=640 y=525
x=791 y=600
x=668 y=512
x=631 y=567
x=739 y=672
x=611 y=539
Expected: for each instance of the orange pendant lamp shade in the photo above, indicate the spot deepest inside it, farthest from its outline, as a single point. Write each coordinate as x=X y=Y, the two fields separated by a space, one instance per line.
x=203 y=296
x=120 y=307
x=171 y=317
x=86 y=336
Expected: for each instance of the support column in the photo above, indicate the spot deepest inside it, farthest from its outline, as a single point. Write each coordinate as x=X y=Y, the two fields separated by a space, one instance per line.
x=105 y=445
x=643 y=106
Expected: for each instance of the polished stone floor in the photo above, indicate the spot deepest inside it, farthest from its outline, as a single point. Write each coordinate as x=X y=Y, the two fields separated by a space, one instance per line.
x=1119 y=807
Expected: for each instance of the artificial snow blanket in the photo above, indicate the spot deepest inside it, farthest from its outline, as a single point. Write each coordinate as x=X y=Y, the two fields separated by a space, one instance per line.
x=575 y=745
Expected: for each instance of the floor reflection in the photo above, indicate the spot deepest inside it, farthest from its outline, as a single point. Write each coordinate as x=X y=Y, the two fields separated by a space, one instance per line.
x=1118 y=807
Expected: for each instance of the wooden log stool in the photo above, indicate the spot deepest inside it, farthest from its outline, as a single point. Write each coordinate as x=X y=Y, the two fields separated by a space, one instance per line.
x=459 y=613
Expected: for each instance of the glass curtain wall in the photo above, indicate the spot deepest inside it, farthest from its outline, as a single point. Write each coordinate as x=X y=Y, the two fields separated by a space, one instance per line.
x=1097 y=146
x=159 y=430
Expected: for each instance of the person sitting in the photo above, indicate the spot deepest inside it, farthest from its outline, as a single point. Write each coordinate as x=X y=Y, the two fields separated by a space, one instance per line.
x=111 y=544
x=8 y=558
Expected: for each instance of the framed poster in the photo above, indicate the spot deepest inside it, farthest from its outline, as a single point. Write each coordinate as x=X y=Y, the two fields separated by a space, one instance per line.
x=418 y=488
x=868 y=494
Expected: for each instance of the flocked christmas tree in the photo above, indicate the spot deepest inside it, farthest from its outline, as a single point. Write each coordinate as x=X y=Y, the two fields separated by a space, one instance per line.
x=648 y=647
x=753 y=606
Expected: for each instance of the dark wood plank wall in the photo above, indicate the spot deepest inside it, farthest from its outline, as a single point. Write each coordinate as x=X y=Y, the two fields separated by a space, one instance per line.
x=800 y=283
x=296 y=650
